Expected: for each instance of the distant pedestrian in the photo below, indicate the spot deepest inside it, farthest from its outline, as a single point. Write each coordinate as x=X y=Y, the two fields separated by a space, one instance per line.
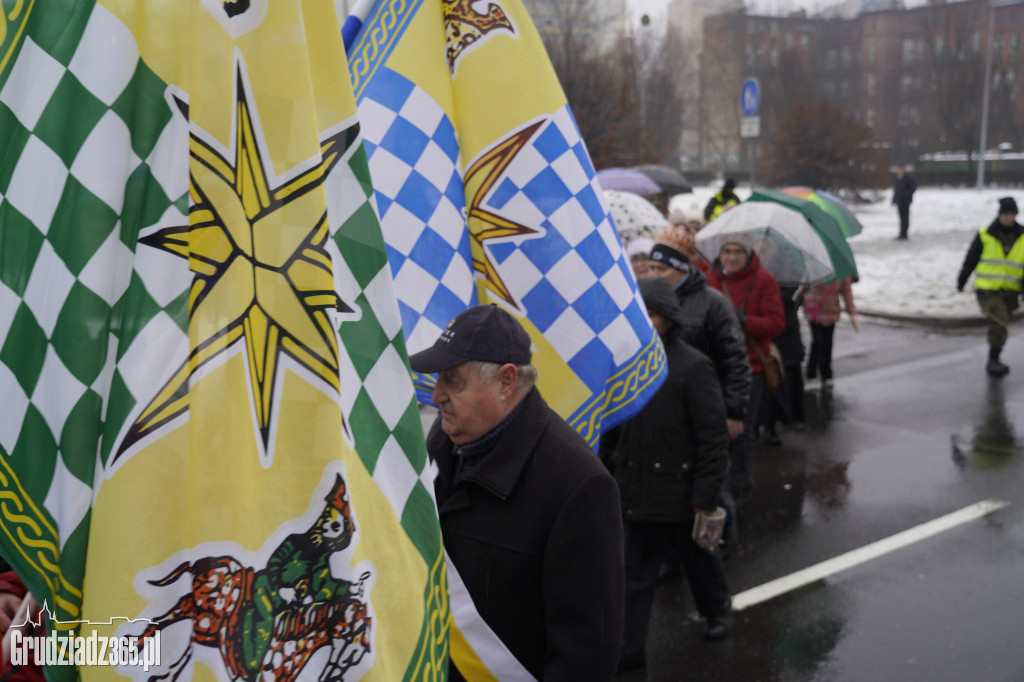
x=996 y=257
x=670 y=462
x=903 y=188
x=722 y=201
x=821 y=308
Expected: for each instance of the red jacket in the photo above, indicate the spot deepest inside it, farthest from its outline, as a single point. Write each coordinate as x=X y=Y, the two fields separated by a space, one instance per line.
x=755 y=293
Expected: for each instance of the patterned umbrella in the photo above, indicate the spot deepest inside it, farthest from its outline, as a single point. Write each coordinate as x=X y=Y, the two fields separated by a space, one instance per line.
x=633 y=215
x=627 y=180
x=830 y=204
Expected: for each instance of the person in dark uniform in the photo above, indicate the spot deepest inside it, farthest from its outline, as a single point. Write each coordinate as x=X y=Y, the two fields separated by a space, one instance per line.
x=996 y=257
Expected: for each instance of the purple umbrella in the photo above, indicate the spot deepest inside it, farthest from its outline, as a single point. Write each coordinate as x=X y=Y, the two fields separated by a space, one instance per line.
x=626 y=180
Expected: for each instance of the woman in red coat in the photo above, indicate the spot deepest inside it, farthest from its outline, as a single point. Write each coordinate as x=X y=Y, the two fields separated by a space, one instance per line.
x=738 y=274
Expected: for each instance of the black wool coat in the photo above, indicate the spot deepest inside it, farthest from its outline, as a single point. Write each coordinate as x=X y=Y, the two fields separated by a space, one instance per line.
x=535 y=533
x=672 y=457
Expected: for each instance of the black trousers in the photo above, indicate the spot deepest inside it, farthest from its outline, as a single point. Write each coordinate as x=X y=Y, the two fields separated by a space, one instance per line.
x=904 y=211
x=704 y=572
x=819 y=360
x=741 y=450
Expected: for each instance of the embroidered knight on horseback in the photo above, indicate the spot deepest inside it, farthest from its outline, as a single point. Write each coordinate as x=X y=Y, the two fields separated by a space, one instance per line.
x=267 y=623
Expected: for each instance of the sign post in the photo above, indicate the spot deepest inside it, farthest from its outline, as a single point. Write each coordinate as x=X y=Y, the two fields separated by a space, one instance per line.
x=750 y=122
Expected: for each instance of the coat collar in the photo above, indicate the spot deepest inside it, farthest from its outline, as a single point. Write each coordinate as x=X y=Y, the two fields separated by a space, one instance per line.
x=500 y=470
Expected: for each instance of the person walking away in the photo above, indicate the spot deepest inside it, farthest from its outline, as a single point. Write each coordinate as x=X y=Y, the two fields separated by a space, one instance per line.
x=753 y=291
x=723 y=200
x=903 y=188
x=785 y=404
x=530 y=518
x=821 y=308
x=996 y=257
x=670 y=462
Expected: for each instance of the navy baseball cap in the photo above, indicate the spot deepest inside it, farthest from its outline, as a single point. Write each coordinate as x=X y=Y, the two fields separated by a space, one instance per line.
x=485 y=333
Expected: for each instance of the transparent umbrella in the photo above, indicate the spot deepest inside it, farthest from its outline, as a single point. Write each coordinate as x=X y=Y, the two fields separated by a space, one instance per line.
x=786 y=244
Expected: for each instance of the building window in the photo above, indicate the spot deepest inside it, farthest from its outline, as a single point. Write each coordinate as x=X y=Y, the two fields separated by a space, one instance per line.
x=906 y=84
x=789 y=40
x=829 y=88
x=975 y=42
x=872 y=51
x=775 y=56
x=844 y=88
x=830 y=59
x=1013 y=46
x=938 y=46
x=775 y=29
x=870 y=118
x=872 y=84
x=750 y=55
x=844 y=56
x=805 y=41
x=907 y=51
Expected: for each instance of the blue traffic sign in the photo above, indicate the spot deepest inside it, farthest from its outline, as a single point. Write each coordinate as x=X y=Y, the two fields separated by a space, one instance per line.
x=750 y=96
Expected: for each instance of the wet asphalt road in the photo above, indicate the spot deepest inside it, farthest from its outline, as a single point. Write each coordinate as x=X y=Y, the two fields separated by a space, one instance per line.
x=913 y=430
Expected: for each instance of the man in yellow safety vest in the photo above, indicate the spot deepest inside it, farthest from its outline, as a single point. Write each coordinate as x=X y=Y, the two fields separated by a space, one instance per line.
x=996 y=257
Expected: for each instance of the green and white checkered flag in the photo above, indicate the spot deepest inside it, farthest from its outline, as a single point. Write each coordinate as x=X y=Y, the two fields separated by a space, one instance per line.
x=199 y=334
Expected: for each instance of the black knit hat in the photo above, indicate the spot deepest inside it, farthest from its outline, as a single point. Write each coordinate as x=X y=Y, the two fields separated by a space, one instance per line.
x=1008 y=205
x=660 y=297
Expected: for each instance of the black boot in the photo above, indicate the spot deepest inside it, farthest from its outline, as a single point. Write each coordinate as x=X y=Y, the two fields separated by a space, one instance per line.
x=994 y=367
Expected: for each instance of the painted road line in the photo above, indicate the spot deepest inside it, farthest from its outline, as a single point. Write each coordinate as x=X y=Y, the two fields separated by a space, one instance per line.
x=829 y=567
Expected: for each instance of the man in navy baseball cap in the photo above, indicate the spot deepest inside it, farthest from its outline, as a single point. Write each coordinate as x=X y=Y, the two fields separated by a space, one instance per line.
x=509 y=467
x=485 y=333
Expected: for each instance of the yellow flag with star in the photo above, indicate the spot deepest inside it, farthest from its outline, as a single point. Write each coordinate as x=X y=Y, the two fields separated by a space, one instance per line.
x=213 y=445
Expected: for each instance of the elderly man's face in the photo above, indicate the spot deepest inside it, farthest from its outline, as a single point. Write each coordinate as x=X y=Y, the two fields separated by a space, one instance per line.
x=471 y=408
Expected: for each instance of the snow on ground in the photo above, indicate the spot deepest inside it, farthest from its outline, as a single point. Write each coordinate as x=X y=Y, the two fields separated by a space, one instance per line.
x=916 y=277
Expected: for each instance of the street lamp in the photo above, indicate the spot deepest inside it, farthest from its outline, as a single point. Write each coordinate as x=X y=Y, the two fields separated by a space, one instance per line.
x=987 y=90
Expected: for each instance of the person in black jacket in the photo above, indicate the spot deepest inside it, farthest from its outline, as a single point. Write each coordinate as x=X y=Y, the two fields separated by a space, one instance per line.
x=903 y=188
x=529 y=516
x=670 y=462
x=709 y=323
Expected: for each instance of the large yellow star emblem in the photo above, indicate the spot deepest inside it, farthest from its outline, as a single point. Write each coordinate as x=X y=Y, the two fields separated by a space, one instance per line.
x=262 y=273
x=480 y=179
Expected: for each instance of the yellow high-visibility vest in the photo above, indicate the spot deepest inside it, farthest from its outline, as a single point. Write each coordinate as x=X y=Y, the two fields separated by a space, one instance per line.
x=997 y=270
x=720 y=207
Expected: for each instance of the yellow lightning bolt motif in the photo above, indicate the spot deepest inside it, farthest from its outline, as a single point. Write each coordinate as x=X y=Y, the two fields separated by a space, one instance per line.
x=262 y=273
x=481 y=178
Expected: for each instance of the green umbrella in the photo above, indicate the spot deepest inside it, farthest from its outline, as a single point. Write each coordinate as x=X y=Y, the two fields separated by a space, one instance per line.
x=825 y=225
x=830 y=204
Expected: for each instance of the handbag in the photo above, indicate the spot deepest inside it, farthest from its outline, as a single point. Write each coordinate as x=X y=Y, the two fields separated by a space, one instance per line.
x=774 y=370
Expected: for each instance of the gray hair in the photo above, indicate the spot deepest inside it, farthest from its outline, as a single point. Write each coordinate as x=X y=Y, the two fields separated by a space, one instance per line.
x=527 y=374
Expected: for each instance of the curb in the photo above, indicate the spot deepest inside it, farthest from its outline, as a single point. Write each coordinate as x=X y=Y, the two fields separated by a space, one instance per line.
x=942 y=322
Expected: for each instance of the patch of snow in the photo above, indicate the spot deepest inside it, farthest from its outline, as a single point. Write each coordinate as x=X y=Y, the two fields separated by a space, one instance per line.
x=916 y=277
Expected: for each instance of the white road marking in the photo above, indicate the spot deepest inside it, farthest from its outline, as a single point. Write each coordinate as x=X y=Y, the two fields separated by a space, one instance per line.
x=829 y=567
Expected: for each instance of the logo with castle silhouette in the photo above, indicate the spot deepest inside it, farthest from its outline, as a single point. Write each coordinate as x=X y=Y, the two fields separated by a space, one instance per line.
x=31 y=644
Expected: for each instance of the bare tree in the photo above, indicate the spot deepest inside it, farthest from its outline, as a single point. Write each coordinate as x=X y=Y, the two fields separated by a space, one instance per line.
x=817 y=145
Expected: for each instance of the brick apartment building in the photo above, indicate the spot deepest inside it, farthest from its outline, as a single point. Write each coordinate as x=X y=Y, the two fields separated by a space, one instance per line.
x=914 y=76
